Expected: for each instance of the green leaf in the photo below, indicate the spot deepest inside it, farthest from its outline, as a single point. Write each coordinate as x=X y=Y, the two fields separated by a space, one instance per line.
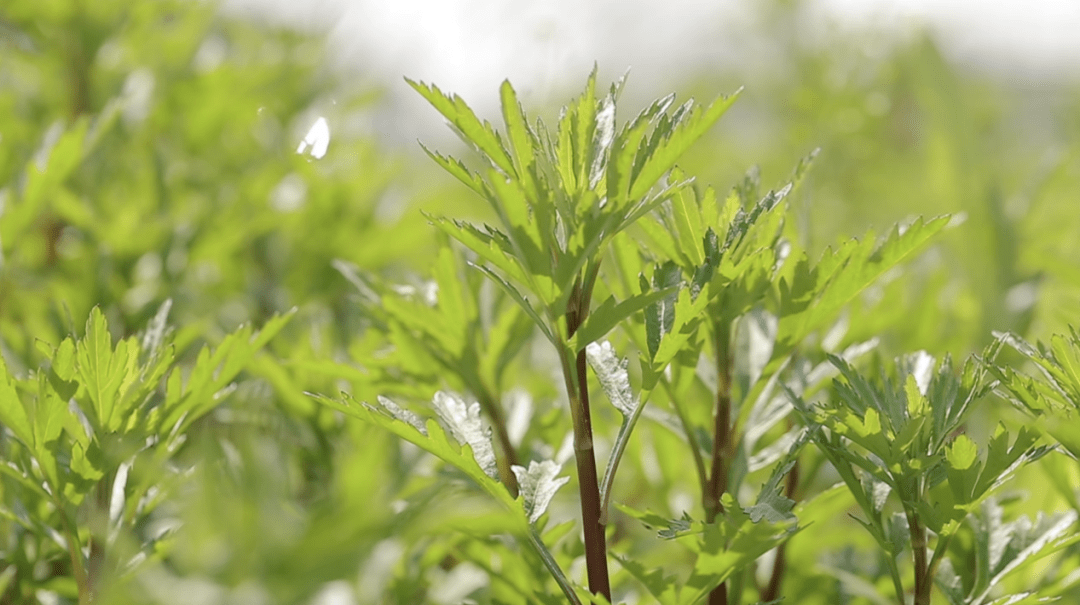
x=728 y=547
x=431 y=438
x=962 y=453
x=609 y=314
x=816 y=295
x=522 y=302
x=1004 y=548
x=467 y=125
x=664 y=588
x=106 y=374
x=213 y=371
x=676 y=141
x=772 y=505
x=688 y=223
x=522 y=140
x=12 y=413
x=458 y=169
x=660 y=317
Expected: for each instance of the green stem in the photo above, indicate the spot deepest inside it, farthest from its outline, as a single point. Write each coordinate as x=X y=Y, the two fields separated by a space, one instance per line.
x=691 y=438
x=918 y=548
x=553 y=566
x=75 y=552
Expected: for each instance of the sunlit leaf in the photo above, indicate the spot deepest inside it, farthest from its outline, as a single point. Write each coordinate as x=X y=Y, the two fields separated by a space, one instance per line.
x=538 y=485
x=464 y=423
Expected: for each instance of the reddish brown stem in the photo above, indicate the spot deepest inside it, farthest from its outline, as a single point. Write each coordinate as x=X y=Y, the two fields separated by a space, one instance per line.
x=589 y=484
x=718 y=480
x=577 y=388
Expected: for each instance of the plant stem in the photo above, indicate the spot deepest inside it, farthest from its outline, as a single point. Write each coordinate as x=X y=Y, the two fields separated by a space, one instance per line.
x=577 y=389
x=589 y=484
x=75 y=552
x=918 y=549
x=718 y=481
x=691 y=437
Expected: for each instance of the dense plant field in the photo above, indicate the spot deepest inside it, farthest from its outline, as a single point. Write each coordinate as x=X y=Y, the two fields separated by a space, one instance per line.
x=807 y=342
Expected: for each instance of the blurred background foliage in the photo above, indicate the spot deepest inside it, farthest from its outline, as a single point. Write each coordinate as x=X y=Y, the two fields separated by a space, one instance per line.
x=148 y=152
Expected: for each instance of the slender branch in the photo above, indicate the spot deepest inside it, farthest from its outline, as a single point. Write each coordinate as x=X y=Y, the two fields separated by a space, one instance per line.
x=553 y=566
x=507 y=456
x=75 y=552
x=691 y=438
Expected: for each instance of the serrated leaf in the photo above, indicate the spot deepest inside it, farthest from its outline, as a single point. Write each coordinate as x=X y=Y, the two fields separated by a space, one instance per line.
x=403 y=415
x=602 y=139
x=962 y=453
x=675 y=142
x=615 y=380
x=456 y=168
x=522 y=140
x=63 y=360
x=664 y=588
x=433 y=440
x=820 y=292
x=613 y=376
x=12 y=413
x=688 y=225
x=609 y=314
x=474 y=132
x=660 y=317
x=212 y=373
x=1006 y=547
x=464 y=423
x=772 y=505
x=522 y=302
x=538 y=485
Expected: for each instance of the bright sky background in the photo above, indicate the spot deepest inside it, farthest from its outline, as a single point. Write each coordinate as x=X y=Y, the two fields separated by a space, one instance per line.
x=547 y=47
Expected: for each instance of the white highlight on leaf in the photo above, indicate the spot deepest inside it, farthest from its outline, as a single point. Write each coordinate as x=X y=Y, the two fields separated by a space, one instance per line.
x=118 y=500
x=403 y=415
x=758 y=334
x=157 y=328
x=520 y=406
x=463 y=422
x=613 y=377
x=922 y=368
x=317 y=139
x=1019 y=540
x=605 y=134
x=538 y=485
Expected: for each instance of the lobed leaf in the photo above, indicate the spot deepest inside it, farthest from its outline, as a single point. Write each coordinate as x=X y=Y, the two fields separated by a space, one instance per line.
x=538 y=485
x=474 y=132
x=464 y=423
